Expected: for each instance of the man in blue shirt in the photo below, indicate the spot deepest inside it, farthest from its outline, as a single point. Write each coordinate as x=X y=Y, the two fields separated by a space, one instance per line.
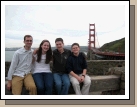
x=77 y=68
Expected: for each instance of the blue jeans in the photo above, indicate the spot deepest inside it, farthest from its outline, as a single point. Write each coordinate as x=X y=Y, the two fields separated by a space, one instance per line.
x=62 y=83
x=44 y=83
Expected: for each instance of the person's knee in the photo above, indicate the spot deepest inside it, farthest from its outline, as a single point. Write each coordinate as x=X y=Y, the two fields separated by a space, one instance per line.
x=58 y=84
x=40 y=87
x=75 y=83
x=49 y=86
x=66 y=83
x=31 y=87
x=88 y=82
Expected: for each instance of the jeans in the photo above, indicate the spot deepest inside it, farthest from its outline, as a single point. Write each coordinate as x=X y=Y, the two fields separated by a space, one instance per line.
x=44 y=83
x=62 y=83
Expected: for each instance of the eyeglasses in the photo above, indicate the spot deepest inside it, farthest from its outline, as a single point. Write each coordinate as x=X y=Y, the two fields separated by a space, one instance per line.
x=28 y=40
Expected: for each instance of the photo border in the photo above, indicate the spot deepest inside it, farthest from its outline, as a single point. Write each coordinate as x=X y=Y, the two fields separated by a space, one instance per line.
x=108 y=102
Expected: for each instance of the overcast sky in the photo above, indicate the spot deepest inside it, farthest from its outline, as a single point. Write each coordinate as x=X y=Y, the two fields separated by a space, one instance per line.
x=71 y=22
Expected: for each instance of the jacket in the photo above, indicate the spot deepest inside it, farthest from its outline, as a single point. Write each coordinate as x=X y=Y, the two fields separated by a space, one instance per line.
x=59 y=61
x=76 y=63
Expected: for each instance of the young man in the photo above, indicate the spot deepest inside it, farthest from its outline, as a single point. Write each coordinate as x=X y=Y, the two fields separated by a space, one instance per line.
x=77 y=68
x=20 y=68
x=61 y=78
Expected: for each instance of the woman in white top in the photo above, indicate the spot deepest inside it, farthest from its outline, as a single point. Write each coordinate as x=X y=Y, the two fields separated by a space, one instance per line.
x=41 y=72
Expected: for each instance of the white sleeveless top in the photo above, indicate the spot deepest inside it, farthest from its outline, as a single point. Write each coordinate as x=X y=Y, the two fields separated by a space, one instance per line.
x=41 y=66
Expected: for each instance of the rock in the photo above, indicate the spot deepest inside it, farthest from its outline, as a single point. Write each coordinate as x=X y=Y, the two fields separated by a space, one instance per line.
x=122 y=92
x=115 y=71
x=122 y=85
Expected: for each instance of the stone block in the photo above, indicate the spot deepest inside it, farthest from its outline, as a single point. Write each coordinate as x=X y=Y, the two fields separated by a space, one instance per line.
x=122 y=92
x=98 y=84
x=123 y=77
x=105 y=83
x=122 y=85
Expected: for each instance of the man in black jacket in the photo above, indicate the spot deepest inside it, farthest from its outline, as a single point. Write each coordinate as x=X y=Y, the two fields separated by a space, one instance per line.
x=77 y=68
x=61 y=78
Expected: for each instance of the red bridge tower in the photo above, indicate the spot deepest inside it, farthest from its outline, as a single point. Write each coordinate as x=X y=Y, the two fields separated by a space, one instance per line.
x=91 y=42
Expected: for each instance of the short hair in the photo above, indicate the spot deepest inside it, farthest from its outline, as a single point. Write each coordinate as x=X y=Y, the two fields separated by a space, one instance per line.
x=74 y=44
x=59 y=39
x=27 y=36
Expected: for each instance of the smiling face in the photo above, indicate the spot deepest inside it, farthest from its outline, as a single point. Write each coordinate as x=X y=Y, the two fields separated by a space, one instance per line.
x=59 y=45
x=75 y=49
x=45 y=46
x=28 y=42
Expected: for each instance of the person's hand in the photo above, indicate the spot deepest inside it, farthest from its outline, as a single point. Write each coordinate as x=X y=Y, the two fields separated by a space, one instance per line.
x=34 y=52
x=9 y=85
x=82 y=78
x=79 y=79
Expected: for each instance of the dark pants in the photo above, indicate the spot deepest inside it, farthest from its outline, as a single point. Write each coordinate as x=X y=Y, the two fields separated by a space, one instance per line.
x=44 y=83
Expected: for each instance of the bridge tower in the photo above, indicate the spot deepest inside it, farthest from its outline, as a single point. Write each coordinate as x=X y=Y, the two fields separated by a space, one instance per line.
x=91 y=40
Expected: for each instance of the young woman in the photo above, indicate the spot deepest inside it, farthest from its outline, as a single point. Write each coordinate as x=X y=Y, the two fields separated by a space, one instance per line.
x=41 y=68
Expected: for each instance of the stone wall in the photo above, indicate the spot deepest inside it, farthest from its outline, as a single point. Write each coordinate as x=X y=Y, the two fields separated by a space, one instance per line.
x=95 y=67
x=119 y=71
x=100 y=67
x=98 y=84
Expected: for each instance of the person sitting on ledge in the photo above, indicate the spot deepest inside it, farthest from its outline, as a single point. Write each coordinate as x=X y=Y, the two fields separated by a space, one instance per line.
x=41 y=72
x=77 y=68
x=19 y=73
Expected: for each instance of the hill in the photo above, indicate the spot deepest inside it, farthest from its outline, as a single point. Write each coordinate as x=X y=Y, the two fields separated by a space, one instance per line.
x=116 y=46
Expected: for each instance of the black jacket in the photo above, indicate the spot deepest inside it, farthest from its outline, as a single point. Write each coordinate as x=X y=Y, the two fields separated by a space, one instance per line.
x=76 y=63
x=59 y=61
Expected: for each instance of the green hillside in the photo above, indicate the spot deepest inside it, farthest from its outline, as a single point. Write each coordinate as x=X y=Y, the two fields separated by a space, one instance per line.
x=116 y=46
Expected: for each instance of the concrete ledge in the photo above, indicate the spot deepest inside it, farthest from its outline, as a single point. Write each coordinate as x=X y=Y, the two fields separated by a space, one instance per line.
x=105 y=83
x=98 y=84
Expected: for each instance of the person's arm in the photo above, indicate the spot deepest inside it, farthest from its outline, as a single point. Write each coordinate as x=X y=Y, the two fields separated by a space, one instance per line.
x=75 y=75
x=35 y=51
x=69 y=67
x=83 y=75
x=34 y=55
x=84 y=66
x=14 y=64
x=84 y=71
x=53 y=59
x=12 y=68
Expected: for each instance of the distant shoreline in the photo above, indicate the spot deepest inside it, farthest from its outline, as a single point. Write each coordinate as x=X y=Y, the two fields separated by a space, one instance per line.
x=10 y=50
x=82 y=48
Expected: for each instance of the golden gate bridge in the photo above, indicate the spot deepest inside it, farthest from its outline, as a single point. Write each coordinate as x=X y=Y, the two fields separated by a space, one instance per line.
x=96 y=51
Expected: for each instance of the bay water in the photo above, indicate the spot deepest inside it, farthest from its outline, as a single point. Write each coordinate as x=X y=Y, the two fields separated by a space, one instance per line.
x=9 y=55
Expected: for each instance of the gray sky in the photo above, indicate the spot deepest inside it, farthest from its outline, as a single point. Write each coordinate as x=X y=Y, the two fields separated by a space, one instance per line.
x=71 y=22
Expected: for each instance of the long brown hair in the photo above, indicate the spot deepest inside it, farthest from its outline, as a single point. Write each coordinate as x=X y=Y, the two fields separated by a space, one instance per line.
x=48 y=53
